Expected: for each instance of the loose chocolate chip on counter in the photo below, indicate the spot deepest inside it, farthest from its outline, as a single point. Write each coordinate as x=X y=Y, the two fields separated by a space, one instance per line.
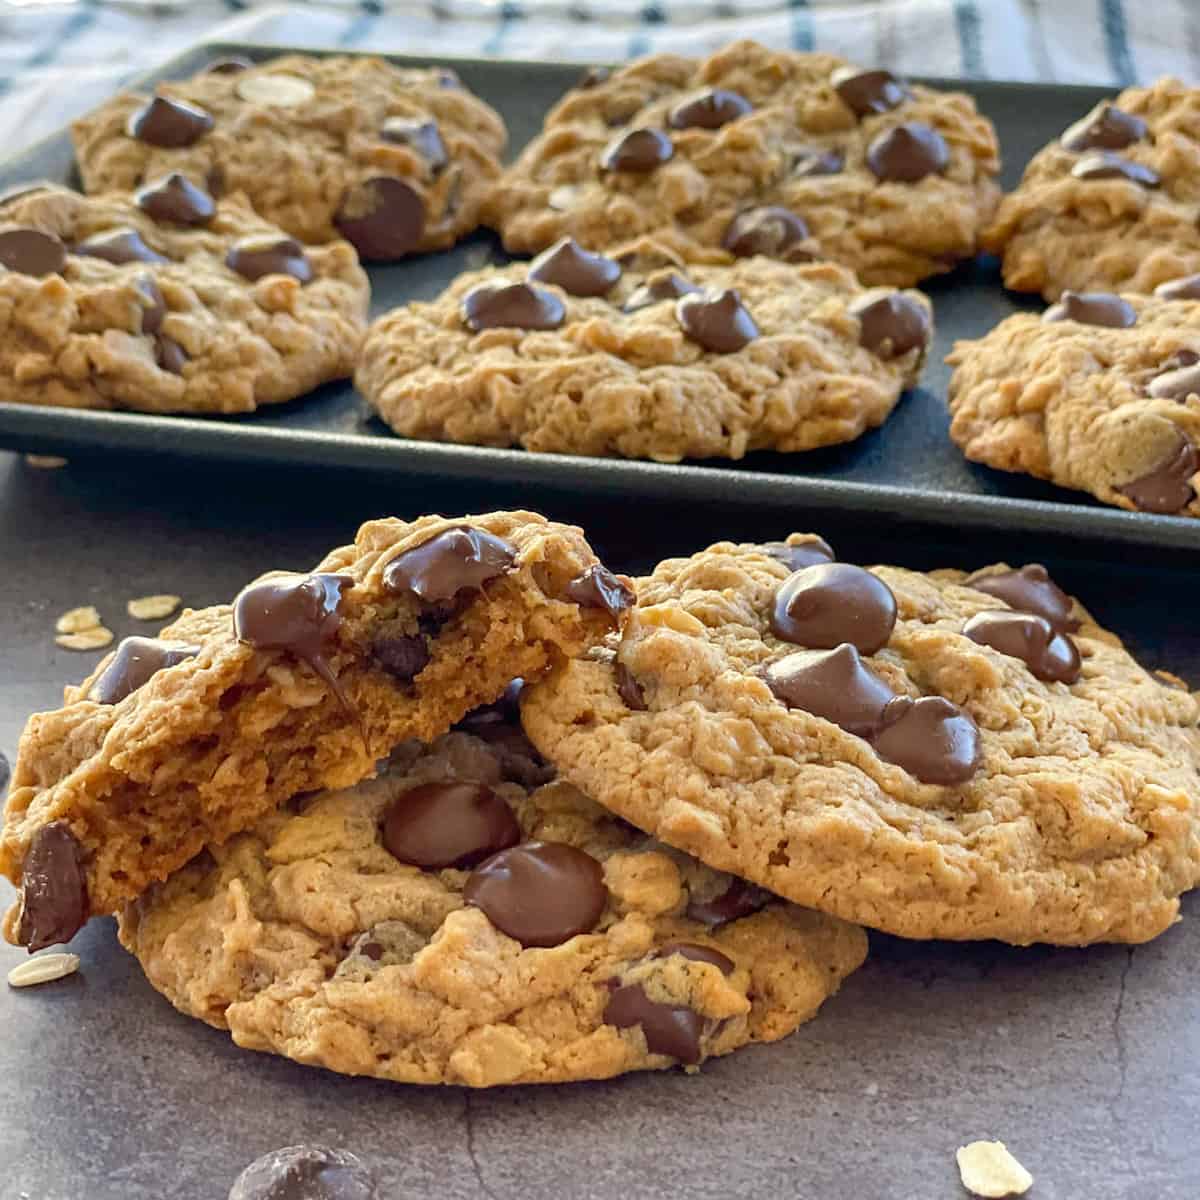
x=1168 y=487
x=1106 y=127
x=628 y=688
x=932 y=739
x=810 y=161
x=1092 y=308
x=404 y=657
x=438 y=825
x=740 y=899
x=154 y=307
x=1187 y=288
x=696 y=953
x=421 y=136
x=169 y=123
x=709 y=109
x=382 y=218
x=716 y=320
x=1029 y=589
x=54 y=902
x=907 y=153
x=1103 y=164
x=539 y=893
x=1049 y=655
x=662 y=285
x=269 y=254
x=639 y=150
x=773 y=231
x=31 y=252
x=277 y=90
x=806 y=554
x=576 y=270
x=1177 y=384
x=594 y=77
x=512 y=306
x=599 y=588
x=305 y=1173
x=455 y=560
x=175 y=198
x=135 y=661
x=234 y=65
x=673 y=1030
x=118 y=246
x=890 y=324
x=169 y=354
x=833 y=684
x=866 y=92
x=825 y=605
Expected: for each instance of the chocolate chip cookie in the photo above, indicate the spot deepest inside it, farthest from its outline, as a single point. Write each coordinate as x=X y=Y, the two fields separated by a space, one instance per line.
x=168 y=301
x=1114 y=204
x=305 y=681
x=1100 y=393
x=396 y=161
x=936 y=755
x=637 y=355
x=755 y=151
x=449 y=923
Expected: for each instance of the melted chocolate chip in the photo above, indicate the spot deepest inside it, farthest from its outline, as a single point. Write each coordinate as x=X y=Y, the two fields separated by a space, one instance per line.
x=866 y=92
x=628 y=688
x=825 y=605
x=599 y=588
x=1029 y=589
x=455 y=560
x=154 y=307
x=169 y=354
x=808 y=161
x=1049 y=655
x=1187 y=288
x=773 y=231
x=716 y=320
x=890 y=324
x=1103 y=164
x=574 y=269
x=1178 y=384
x=382 y=218
x=175 y=198
x=697 y=953
x=234 y=65
x=594 y=77
x=306 y=1173
x=31 y=252
x=135 y=661
x=269 y=254
x=169 y=123
x=709 y=109
x=539 y=893
x=512 y=306
x=673 y=1030
x=638 y=150
x=421 y=136
x=118 y=246
x=438 y=825
x=405 y=657
x=806 y=554
x=833 y=684
x=54 y=902
x=662 y=285
x=907 y=153
x=1092 y=308
x=932 y=739
x=740 y=899
x=1106 y=127
x=1167 y=488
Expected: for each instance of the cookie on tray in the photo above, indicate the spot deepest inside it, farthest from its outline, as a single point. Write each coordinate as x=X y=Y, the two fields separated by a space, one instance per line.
x=640 y=356
x=935 y=755
x=756 y=151
x=452 y=921
x=306 y=681
x=1113 y=204
x=168 y=301
x=394 y=160
x=1100 y=393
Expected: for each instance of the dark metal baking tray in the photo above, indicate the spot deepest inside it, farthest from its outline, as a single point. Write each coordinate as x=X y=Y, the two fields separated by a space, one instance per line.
x=908 y=466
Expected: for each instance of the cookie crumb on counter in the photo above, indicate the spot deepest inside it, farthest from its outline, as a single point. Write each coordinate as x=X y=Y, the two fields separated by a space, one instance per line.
x=152 y=608
x=989 y=1170
x=45 y=968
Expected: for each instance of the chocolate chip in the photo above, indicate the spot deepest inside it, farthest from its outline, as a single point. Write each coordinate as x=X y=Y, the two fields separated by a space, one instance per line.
x=135 y=661
x=154 y=307
x=382 y=218
x=269 y=254
x=539 y=893
x=1167 y=488
x=372 y=950
x=1187 y=288
x=806 y=554
x=577 y=271
x=773 y=231
x=890 y=324
x=638 y=150
x=907 y=153
x=305 y=1173
x=119 y=246
x=404 y=657
x=709 y=109
x=169 y=354
x=697 y=953
x=662 y=285
x=512 y=306
x=1029 y=589
x=175 y=198
x=421 y=136
x=54 y=903
x=438 y=825
x=673 y=1030
x=808 y=161
x=825 y=605
x=169 y=123
x=1092 y=308
x=31 y=252
x=599 y=588
x=932 y=739
x=739 y=899
x=1106 y=127
x=716 y=320
x=866 y=92
x=1103 y=164
x=1049 y=655
x=628 y=688
x=233 y=65
x=594 y=77
x=455 y=560
x=1178 y=384
x=833 y=684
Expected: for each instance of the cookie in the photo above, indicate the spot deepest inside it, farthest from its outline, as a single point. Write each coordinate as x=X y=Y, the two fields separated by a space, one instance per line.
x=756 y=151
x=394 y=160
x=637 y=355
x=1100 y=393
x=444 y=923
x=935 y=755
x=168 y=301
x=1113 y=205
x=304 y=682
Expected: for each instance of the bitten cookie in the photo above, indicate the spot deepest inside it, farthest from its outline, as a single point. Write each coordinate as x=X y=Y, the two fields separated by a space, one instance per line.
x=167 y=301
x=305 y=682
x=448 y=922
x=394 y=160
x=1100 y=393
x=754 y=151
x=580 y=354
x=933 y=755
x=1114 y=204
